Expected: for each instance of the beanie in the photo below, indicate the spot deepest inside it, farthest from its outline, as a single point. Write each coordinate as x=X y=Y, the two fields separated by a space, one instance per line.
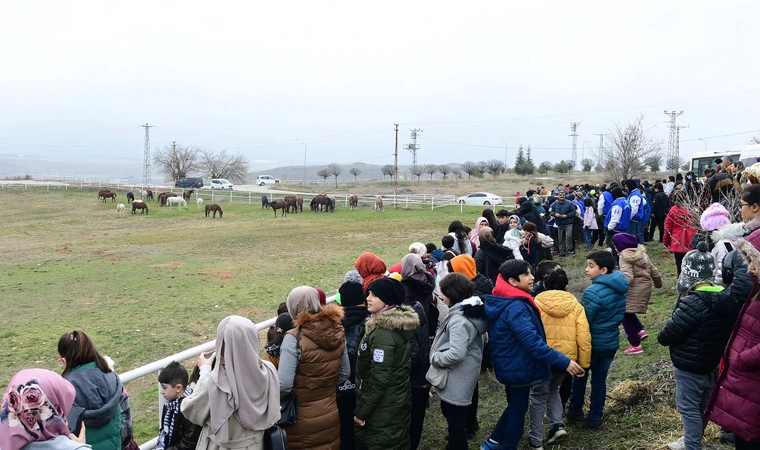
x=418 y=248
x=714 y=217
x=351 y=294
x=352 y=276
x=390 y=291
x=624 y=241
x=698 y=267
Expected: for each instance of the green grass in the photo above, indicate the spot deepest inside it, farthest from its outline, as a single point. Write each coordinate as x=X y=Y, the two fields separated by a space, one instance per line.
x=145 y=287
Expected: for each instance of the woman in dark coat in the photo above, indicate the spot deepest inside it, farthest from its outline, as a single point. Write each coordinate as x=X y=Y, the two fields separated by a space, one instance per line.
x=490 y=255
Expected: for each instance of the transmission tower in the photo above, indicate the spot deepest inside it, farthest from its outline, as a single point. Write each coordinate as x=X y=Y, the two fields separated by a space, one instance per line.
x=574 y=135
x=413 y=147
x=146 y=157
x=602 y=153
x=673 y=147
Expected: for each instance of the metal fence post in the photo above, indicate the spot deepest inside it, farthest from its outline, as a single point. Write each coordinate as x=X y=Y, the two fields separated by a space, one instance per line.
x=432 y=203
x=230 y=195
x=212 y=195
x=249 y=197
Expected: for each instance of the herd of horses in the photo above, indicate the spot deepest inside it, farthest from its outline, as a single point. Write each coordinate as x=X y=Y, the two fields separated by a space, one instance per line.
x=321 y=202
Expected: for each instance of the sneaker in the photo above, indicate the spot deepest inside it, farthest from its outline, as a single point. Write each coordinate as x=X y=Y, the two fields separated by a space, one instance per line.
x=643 y=335
x=590 y=425
x=634 y=350
x=573 y=253
x=728 y=438
x=488 y=445
x=575 y=415
x=556 y=433
x=540 y=447
x=677 y=445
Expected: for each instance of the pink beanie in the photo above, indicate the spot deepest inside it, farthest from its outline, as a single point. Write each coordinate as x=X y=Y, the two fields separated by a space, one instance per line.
x=714 y=217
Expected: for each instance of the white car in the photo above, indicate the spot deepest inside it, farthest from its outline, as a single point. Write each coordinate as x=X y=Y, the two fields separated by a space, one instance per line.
x=220 y=183
x=480 y=198
x=261 y=180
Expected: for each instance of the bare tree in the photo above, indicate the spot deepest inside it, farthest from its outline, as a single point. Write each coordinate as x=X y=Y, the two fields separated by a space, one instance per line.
x=495 y=167
x=223 y=165
x=387 y=170
x=445 y=170
x=674 y=163
x=176 y=162
x=482 y=167
x=324 y=173
x=430 y=169
x=355 y=171
x=416 y=171
x=587 y=164
x=627 y=148
x=456 y=172
x=654 y=162
x=755 y=140
x=544 y=167
x=335 y=169
x=470 y=168
x=570 y=164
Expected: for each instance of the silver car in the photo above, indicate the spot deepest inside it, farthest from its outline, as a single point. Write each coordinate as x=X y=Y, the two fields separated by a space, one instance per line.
x=480 y=198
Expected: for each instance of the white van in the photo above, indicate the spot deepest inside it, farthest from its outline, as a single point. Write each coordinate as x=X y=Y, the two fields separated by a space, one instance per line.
x=261 y=180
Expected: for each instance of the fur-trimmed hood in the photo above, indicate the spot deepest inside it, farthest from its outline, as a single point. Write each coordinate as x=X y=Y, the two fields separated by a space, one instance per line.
x=730 y=232
x=635 y=256
x=322 y=326
x=400 y=318
x=752 y=225
x=748 y=252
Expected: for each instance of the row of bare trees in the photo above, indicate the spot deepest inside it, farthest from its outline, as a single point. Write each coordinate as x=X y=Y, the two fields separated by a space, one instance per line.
x=178 y=161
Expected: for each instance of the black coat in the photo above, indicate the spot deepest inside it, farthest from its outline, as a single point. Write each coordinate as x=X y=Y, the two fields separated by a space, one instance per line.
x=530 y=213
x=483 y=286
x=660 y=204
x=489 y=257
x=185 y=434
x=420 y=349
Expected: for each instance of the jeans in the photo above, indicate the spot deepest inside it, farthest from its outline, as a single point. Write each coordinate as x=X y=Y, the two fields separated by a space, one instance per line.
x=544 y=396
x=658 y=222
x=509 y=428
x=455 y=418
x=692 y=394
x=565 y=239
x=637 y=229
x=420 y=398
x=587 y=236
x=600 y=367
x=632 y=325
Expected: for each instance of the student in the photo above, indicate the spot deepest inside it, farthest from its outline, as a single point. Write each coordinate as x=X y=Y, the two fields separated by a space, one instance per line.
x=589 y=222
x=567 y=331
x=502 y=216
x=176 y=432
x=618 y=218
x=520 y=354
x=542 y=269
x=636 y=202
x=660 y=208
x=513 y=235
x=722 y=233
x=461 y=242
x=530 y=245
x=679 y=228
x=604 y=302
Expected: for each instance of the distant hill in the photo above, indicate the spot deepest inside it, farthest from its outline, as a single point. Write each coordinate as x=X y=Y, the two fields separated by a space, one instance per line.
x=369 y=172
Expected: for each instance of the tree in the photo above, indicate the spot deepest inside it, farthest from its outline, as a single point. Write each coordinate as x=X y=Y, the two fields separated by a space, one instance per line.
x=674 y=163
x=628 y=145
x=445 y=170
x=495 y=167
x=653 y=162
x=544 y=167
x=416 y=171
x=470 y=168
x=587 y=164
x=324 y=173
x=176 y=161
x=755 y=139
x=387 y=170
x=570 y=163
x=430 y=169
x=482 y=168
x=335 y=169
x=355 y=171
x=456 y=172
x=561 y=167
x=685 y=166
x=519 y=161
x=222 y=165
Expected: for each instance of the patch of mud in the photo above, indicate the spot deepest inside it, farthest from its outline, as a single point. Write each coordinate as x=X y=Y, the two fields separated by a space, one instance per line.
x=171 y=265
x=66 y=249
x=226 y=276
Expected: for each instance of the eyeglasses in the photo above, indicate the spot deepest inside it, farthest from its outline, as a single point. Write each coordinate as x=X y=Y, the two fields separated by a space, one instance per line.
x=746 y=204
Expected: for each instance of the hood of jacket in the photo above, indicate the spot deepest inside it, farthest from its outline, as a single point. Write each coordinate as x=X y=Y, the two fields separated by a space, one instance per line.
x=483 y=284
x=634 y=256
x=92 y=385
x=420 y=287
x=320 y=327
x=731 y=231
x=556 y=303
x=402 y=318
x=475 y=311
x=504 y=294
x=751 y=225
x=615 y=281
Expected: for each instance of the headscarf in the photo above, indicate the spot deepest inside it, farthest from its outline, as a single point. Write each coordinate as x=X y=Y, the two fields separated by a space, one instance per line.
x=370 y=267
x=465 y=265
x=475 y=239
x=242 y=384
x=322 y=297
x=413 y=267
x=486 y=234
x=418 y=248
x=34 y=407
x=517 y=218
x=303 y=299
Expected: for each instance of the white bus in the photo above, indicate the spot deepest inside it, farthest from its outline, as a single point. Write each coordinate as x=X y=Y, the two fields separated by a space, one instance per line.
x=702 y=160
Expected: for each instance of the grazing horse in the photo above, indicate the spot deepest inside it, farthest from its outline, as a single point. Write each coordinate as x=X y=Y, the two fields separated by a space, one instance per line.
x=108 y=195
x=102 y=192
x=333 y=202
x=264 y=202
x=319 y=201
x=213 y=207
x=164 y=195
x=147 y=194
x=142 y=206
x=199 y=202
x=353 y=202
x=292 y=202
x=120 y=209
x=186 y=195
x=300 y=204
x=130 y=197
x=279 y=204
x=171 y=201
x=379 y=203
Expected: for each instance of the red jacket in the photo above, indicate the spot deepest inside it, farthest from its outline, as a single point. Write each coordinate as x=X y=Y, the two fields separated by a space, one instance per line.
x=679 y=229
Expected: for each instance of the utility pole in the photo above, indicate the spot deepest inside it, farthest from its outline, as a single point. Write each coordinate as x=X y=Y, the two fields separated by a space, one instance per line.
x=673 y=147
x=506 y=148
x=413 y=147
x=304 y=163
x=574 y=135
x=602 y=153
x=678 y=143
x=146 y=157
x=395 y=165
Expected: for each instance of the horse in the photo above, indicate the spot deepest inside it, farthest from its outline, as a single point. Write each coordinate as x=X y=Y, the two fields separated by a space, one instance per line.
x=292 y=202
x=103 y=191
x=163 y=196
x=147 y=194
x=353 y=202
x=171 y=201
x=279 y=204
x=319 y=201
x=108 y=195
x=300 y=204
x=199 y=202
x=379 y=203
x=120 y=209
x=186 y=195
x=332 y=204
x=264 y=202
x=142 y=206
x=130 y=197
x=213 y=207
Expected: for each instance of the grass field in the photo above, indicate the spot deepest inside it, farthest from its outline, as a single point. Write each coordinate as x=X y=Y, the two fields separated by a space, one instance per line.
x=145 y=287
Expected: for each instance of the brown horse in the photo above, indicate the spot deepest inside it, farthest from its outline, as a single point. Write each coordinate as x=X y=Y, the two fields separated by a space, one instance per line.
x=322 y=200
x=186 y=195
x=108 y=195
x=300 y=203
x=292 y=202
x=279 y=204
x=213 y=207
x=353 y=202
x=163 y=196
x=103 y=191
x=142 y=206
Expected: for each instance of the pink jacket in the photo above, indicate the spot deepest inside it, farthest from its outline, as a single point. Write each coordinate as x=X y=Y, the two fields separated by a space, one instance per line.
x=589 y=219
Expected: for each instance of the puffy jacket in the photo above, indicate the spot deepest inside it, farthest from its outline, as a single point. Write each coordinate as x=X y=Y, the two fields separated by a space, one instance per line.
x=517 y=339
x=679 y=229
x=489 y=257
x=699 y=328
x=604 y=302
x=483 y=286
x=660 y=204
x=383 y=395
x=723 y=239
x=100 y=395
x=641 y=275
x=566 y=325
x=565 y=208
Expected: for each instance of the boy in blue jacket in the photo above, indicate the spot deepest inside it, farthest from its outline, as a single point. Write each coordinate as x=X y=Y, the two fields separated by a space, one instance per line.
x=604 y=302
x=521 y=357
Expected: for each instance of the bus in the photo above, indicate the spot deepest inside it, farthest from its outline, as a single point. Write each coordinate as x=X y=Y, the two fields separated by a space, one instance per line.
x=702 y=160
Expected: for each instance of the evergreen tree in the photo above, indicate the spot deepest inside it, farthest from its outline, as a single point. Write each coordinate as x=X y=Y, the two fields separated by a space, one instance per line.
x=519 y=161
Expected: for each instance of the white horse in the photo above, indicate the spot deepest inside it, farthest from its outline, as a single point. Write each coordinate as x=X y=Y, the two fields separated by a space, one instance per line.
x=379 y=203
x=120 y=209
x=199 y=202
x=170 y=201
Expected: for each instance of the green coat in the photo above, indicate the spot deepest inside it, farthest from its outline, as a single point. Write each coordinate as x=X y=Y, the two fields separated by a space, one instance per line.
x=383 y=396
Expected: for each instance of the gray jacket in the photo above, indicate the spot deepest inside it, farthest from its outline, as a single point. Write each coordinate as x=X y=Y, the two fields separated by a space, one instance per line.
x=458 y=346
x=567 y=208
x=59 y=443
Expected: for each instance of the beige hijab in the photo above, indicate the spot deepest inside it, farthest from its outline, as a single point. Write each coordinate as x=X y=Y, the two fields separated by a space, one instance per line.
x=241 y=383
x=303 y=299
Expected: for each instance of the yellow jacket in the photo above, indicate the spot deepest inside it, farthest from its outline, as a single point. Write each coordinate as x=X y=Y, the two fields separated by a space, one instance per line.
x=566 y=326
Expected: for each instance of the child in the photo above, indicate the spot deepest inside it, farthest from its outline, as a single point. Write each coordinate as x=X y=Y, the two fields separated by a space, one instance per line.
x=282 y=324
x=566 y=331
x=697 y=334
x=502 y=216
x=176 y=431
x=542 y=269
x=513 y=235
x=604 y=302
x=641 y=274
x=590 y=224
x=530 y=244
x=520 y=355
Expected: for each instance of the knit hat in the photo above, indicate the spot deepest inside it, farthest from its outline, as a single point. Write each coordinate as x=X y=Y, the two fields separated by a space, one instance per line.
x=390 y=291
x=351 y=294
x=714 y=217
x=352 y=276
x=698 y=267
x=418 y=248
x=624 y=241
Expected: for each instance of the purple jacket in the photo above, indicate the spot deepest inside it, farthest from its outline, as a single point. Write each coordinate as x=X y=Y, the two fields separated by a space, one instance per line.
x=735 y=401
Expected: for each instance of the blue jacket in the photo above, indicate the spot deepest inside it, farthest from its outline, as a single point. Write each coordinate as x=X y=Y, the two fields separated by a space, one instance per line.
x=566 y=208
x=604 y=302
x=639 y=216
x=647 y=205
x=519 y=351
x=580 y=205
x=625 y=216
x=607 y=202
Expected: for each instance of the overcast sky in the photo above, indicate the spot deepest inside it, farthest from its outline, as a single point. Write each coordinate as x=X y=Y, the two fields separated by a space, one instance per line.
x=261 y=78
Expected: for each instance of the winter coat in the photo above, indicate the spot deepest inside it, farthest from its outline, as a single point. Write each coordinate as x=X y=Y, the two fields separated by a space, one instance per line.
x=354 y=318
x=566 y=326
x=458 y=347
x=100 y=395
x=322 y=345
x=564 y=208
x=679 y=230
x=723 y=243
x=604 y=302
x=641 y=274
x=185 y=433
x=529 y=212
x=418 y=291
x=483 y=286
x=59 y=443
x=420 y=349
x=489 y=257
x=383 y=396
x=735 y=401
x=517 y=339
x=589 y=219
x=660 y=204
x=699 y=328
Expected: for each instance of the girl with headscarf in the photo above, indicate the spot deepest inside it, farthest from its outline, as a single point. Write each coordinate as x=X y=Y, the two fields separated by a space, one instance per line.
x=237 y=399
x=370 y=267
x=461 y=243
x=491 y=218
x=491 y=255
x=512 y=238
x=34 y=410
x=475 y=239
x=313 y=362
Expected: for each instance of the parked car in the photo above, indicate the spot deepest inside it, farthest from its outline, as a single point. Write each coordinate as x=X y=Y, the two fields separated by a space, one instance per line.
x=220 y=183
x=189 y=182
x=261 y=180
x=480 y=198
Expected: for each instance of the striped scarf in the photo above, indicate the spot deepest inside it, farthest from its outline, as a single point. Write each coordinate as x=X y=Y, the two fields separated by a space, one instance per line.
x=167 y=427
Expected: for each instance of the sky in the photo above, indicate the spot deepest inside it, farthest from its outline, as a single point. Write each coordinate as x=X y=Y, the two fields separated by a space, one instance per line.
x=275 y=80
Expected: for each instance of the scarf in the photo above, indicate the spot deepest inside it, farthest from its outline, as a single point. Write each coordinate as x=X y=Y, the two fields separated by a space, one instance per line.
x=503 y=289
x=465 y=265
x=480 y=223
x=370 y=267
x=303 y=299
x=413 y=267
x=167 y=427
